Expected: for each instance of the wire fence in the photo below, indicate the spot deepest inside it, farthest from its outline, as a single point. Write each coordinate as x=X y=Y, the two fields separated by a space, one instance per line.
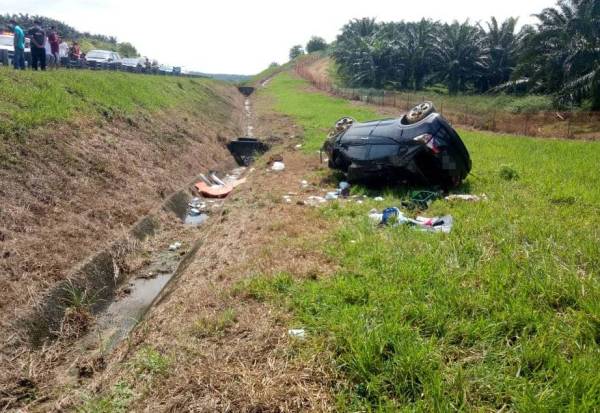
x=570 y=124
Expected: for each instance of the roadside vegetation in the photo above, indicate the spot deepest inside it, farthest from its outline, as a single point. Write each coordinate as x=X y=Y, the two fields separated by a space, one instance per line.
x=30 y=99
x=500 y=314
x=311 y=110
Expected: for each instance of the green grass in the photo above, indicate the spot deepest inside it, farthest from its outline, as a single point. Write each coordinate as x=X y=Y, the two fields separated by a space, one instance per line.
x=116 y=400
x=214 y=325
x=316 y=113
x=503 y=313
x=149 y=362
x=31 y=99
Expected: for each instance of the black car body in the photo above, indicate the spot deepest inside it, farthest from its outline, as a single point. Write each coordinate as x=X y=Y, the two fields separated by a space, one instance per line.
x=428 y=152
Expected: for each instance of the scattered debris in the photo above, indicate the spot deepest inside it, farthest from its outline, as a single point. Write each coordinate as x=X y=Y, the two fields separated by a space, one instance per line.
x=344 y=189
x=175 y=246
x=195 y=220
x=298 y=146
x=215 y=187
x=421 y=199
x=196 y=206
x=278 y=166
x=466 y=197
x=378 y=198
x=394 y=217
x=315 y=200
x=297 y=333
x=214 y=191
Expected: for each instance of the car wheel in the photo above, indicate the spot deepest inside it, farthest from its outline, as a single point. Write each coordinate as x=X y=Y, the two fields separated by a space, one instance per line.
x=419 y=112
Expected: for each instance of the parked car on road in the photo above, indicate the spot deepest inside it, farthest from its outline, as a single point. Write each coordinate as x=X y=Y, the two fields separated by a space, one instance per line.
x=133 y=64
x=165 y=70
x=7 y=48
x=102 y=59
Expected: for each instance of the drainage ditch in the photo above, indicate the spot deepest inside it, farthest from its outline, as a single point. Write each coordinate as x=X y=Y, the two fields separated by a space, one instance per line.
x=120 y=299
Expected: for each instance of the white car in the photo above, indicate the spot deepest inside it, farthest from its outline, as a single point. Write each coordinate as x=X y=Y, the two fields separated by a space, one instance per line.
x=102 y=56
x=7 y=43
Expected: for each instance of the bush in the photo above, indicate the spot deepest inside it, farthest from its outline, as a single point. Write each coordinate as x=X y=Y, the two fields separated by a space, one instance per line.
x=508 y=173
x=528 y=104
x=316 y=44
x=296 y=51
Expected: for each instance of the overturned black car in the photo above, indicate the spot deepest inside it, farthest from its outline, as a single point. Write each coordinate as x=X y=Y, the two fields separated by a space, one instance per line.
x=420 y=148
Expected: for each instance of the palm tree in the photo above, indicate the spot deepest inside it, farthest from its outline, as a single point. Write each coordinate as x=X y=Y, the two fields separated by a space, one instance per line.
x=563 y=54
x=500 y=45
x=417 y=50
x=459 y=55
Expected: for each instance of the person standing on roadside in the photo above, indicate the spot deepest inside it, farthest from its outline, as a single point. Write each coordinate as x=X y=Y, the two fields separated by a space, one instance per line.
x=54 y=40
x=38 y=46
x=49 y=57
x=63 y=52
x=19 y=44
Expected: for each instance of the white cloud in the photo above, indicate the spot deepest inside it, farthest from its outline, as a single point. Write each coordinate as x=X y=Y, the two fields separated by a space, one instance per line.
x=236 y=36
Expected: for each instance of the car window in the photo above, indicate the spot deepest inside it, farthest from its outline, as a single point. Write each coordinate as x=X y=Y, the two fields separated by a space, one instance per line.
x=98 y=54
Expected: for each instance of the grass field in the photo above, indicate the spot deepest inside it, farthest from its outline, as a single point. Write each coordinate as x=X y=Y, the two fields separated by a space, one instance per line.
x=30 y=99
x=503 y=313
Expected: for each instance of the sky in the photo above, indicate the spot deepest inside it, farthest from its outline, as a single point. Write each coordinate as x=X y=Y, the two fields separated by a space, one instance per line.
x=244 y=37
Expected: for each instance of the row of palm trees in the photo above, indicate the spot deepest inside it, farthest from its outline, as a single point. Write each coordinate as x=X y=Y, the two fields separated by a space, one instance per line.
x=560 y=55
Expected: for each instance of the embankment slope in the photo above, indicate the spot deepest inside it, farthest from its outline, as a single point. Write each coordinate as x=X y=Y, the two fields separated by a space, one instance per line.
x=83 y=155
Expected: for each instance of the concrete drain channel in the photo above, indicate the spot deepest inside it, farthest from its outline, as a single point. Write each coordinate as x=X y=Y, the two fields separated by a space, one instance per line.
x=120 y=301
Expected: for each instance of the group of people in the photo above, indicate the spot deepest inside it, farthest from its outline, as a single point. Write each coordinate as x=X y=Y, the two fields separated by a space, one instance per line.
x=47 y=48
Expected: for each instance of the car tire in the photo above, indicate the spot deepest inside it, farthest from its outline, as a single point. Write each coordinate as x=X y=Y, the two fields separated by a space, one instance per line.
x=418 y=113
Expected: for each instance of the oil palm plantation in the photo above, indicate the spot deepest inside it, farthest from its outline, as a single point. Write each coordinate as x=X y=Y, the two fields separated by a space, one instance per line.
x=563 y=53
